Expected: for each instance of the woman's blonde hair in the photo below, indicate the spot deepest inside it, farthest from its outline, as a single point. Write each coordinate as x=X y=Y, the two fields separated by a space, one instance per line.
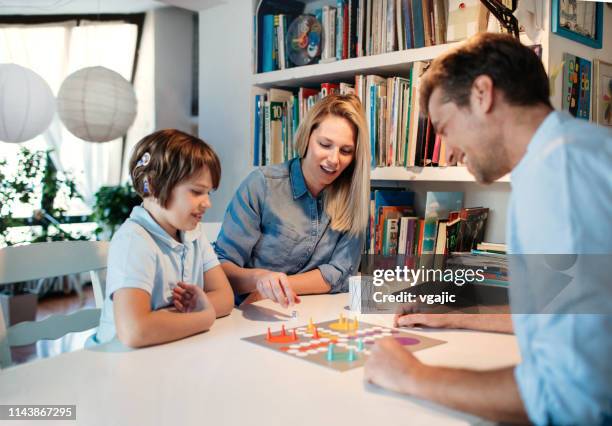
x=347 y=198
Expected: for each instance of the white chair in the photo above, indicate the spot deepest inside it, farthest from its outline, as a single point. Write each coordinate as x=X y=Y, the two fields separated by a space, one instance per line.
x=43 y=260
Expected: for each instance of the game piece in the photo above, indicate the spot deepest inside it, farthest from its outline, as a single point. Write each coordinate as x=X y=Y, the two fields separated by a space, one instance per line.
x=330 y=352
x=352 y=356
x=310 y=325
x=282 y=337
x=294 y=315
x=340 y=348
x=343 y=324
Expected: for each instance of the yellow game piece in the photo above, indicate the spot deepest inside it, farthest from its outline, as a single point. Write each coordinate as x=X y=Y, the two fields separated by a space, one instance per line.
x=355 y=323
x=310 y=325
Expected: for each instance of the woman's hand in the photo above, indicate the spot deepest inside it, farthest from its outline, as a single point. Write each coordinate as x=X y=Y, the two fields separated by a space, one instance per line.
x=275 y=286
x=189 y=298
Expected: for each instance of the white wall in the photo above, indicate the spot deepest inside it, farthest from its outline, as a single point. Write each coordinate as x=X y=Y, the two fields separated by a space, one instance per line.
x=173 y=33
x=225 y=85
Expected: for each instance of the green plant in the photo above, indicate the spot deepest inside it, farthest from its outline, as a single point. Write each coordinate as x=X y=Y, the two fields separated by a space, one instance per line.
x=36 y=177
x=113 y=206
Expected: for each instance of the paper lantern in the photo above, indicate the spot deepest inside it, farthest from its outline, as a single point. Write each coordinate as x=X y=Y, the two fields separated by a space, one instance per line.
x=96 y=104
x=26 y=104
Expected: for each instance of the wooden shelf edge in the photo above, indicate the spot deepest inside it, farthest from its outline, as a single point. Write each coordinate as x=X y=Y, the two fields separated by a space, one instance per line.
x=432 y=174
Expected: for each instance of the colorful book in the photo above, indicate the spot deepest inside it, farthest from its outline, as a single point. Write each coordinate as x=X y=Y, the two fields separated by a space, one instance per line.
x=438 y=205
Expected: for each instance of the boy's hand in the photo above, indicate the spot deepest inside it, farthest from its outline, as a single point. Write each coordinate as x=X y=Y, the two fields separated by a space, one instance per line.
x=189 y=298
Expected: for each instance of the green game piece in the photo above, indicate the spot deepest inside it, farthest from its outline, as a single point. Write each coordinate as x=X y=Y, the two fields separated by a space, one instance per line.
x=352 y=356
x=360 y=345
x=330 y=352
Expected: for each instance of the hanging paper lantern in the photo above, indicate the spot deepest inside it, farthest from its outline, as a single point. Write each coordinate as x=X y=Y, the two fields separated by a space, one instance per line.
x=96 y=104
x=26 y=104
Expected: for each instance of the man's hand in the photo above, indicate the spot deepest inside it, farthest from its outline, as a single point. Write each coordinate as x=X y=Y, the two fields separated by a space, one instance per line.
x=427 y=320
x=393 y=367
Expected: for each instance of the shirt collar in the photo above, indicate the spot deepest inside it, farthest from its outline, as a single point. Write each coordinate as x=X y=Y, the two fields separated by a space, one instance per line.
x=542 y=136
x=142 y=217
x=298 y=184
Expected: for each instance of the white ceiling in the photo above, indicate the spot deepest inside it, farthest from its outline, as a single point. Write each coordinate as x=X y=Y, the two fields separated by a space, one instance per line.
x=63 y=7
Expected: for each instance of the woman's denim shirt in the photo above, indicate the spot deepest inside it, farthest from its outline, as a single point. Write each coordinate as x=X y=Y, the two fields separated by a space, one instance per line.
x=274 y=223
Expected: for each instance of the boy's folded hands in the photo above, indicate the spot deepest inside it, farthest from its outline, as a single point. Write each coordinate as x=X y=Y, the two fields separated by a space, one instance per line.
x=189 y=298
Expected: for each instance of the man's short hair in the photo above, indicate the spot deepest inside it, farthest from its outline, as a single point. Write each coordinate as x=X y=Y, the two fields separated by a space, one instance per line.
x=514 y=68
x=173 y=157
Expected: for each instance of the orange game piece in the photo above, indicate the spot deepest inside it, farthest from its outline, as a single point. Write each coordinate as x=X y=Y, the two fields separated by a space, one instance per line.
x=315 y=335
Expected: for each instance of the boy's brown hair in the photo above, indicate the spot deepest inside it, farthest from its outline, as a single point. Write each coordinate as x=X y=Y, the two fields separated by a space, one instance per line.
x=514 y=68
x=174 y=156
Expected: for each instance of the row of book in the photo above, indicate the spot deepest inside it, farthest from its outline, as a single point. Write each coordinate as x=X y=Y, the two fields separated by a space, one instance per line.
x=445 y=227
x=355 y=28
x=399 y=135
x=276 y=116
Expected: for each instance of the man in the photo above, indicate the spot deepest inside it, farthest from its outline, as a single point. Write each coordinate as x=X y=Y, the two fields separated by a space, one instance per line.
x=489 y=101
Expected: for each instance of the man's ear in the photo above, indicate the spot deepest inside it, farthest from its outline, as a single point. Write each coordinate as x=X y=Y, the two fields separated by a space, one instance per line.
x=482 y=94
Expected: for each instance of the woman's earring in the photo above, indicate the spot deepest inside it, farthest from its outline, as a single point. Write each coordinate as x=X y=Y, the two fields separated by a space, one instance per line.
x=145 y=186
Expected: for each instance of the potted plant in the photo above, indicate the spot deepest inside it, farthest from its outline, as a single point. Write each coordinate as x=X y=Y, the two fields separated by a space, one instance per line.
x=112 y=207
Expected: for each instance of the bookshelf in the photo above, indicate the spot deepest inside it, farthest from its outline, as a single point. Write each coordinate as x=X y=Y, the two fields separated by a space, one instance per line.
x=227 y=81
x=392 y=63
x=426 y=174
x=416 y=179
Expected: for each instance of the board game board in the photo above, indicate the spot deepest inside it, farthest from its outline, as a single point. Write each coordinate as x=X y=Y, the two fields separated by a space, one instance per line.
x=341 y=344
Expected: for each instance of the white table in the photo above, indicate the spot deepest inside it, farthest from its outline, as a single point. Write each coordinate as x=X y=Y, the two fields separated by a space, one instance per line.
x=216 y=378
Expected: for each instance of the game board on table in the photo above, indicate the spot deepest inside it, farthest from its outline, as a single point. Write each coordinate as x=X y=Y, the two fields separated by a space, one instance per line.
x=341 y=344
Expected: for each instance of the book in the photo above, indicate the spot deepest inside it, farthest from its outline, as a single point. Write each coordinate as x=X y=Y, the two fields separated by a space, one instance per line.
x=283 y=57
x=472 y=226
x=418 y=32
x=339 y=29
x=390 y=237
x=438 y=205
x=384 y=214
x=278 y=99
x=269 y=55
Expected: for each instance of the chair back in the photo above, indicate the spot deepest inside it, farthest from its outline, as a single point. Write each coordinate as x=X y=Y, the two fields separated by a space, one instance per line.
x=45 y=260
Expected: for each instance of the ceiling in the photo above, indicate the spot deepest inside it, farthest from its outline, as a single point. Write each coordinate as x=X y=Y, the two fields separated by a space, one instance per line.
x=66 y=7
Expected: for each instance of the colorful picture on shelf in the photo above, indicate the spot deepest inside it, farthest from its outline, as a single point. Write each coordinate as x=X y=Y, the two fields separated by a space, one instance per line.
x=602 y=92
x=581 y=21
x=576 y=86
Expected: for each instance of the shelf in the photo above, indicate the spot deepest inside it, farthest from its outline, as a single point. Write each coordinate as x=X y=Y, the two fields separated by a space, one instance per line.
x=393 y=63
x=436 y=174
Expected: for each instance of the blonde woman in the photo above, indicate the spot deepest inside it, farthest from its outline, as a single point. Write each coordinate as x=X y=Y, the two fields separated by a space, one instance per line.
x=296 y=228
